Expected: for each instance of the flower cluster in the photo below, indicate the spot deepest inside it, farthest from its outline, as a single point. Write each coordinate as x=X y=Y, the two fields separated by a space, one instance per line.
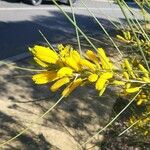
x=128 y=38
x=142 y=123
x=66 y=67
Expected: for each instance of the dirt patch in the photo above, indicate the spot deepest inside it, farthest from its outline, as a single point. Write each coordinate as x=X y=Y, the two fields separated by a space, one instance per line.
x=73 y=121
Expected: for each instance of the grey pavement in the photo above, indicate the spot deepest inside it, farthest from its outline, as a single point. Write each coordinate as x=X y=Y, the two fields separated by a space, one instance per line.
x=20 y=23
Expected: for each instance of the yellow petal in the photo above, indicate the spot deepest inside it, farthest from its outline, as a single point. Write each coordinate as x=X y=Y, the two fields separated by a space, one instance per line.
x=128 y=35
x=65 y=51
x=72 y=87
x=65 y=71
x=45 y=54
x=129 y=68
x=128 y=85
x=139 y=102
x=45 y=77
x=133 y=90
x=122 y=39
x=126 y=75
x=60 y=47
x=145 y=71
x=75 y=55
x=100 y=83
x=93 y=77
x=59 y=83
x=87 y=64
x=72 y=63
x=92 y=57
x=104 y=59
x=41 y=63
x=102 y=80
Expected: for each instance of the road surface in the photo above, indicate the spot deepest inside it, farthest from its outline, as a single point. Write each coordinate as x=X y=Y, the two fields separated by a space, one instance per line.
x=20 y=23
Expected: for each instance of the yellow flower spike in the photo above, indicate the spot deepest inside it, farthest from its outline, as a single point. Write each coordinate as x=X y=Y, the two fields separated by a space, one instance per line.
x=45 y=54
x=45 y=77
x=92 y=57
x=59 y=84
x=129 y=68
x=41 y=63
x=145 y=71
x=102 y=80
x=104 y=59
x=122 y=39
x=93 y=77
x=65 y=71
x=72 y=87
x=119 y=83
x=87 y=64
x=133 y=90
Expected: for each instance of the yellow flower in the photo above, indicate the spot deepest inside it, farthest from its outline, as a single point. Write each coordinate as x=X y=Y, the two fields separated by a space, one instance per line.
x=145 y=71
x=87 y=64
x=60 y=47
x=92 y=57
x=103 y=79
x=93 y=77
x=129 y=68
x=65 y=71
x=72 y=87
x=122 y=39
x=104 y=60
x=133 y=90
x=41 y=63
x=75 y=55
x=64 y=51
x=45 y=77
x=59 y=83
x=44 y=54
x=127 y=35
x=72 y=63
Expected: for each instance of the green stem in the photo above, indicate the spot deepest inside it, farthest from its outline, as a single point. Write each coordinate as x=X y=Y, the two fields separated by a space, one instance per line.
x=112 y=119
x=98 y=22
x=77 y=33
x=138 y=42
x=26 y=129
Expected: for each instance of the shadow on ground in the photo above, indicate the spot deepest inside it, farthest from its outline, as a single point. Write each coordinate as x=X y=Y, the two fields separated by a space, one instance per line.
x=57 y=29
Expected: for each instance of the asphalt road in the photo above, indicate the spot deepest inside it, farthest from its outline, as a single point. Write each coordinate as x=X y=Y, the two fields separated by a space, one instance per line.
x=20 y=23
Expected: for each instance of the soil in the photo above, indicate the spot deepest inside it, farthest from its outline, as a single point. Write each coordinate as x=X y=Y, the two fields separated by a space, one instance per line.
x=68 y=126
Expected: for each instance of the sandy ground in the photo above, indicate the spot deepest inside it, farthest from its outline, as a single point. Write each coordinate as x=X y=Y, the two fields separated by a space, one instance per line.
x=69 y=125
